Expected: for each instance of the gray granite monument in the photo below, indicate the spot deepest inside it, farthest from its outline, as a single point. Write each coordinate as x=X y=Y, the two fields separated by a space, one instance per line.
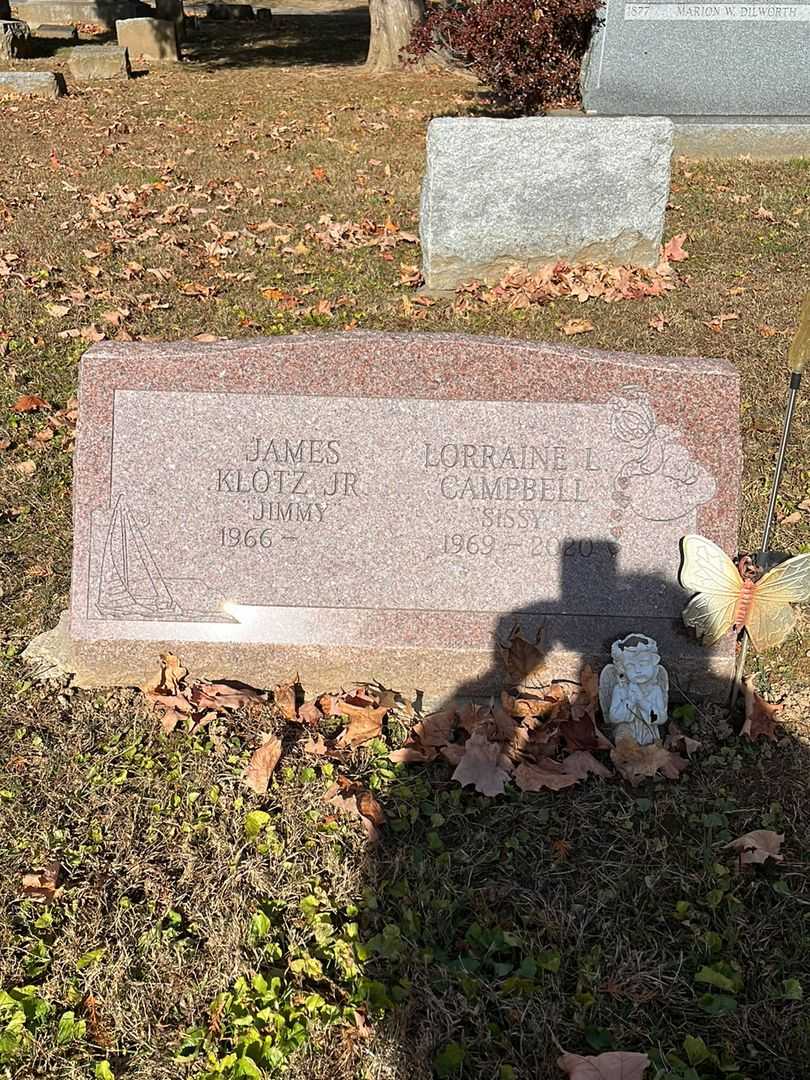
x=734 y=77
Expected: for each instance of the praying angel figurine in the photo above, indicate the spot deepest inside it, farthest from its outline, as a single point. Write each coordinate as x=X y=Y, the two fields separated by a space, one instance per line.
x=634 y=690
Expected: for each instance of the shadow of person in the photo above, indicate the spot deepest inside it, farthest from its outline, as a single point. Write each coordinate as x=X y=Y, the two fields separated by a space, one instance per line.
x=596 y=605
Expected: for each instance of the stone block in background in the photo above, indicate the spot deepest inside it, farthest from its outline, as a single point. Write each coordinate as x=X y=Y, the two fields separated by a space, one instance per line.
x=152 y=39
x=15 y=40
x=43 y=84
x=61 y=12
x=501 y=193
x=388 y=506
x=48 y=32
x=91 y=63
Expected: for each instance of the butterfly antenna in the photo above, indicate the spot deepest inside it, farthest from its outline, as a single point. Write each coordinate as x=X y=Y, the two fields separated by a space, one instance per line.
x=798 y=355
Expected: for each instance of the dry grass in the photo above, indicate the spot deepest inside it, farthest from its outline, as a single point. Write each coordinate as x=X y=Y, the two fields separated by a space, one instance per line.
x=173 y=173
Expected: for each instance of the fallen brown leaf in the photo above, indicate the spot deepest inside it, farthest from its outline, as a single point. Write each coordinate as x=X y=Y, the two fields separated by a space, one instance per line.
x=522 y=657
x=350 y=797
x=681 y=742
x=286 y=696
x=550 y=774
x=635 y=762
x=42 y=884
x=673 y=250
x=262 y=763
x=758 y=846
x=364 y=723
x=576 y=326
x=614 y=1065
x=581 y=764
x=483 y=765
x=760 y=715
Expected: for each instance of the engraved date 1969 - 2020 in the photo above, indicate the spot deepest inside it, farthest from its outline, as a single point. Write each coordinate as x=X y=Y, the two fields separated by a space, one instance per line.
x=534 y=547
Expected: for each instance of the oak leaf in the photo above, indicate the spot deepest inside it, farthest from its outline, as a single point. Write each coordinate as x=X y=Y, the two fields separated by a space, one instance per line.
x=523 y=658
x=28 y=403
x=758 y=846
x=286 y=696
x=681 y=742
x=577 y=326
x=42 y=884
x=350 y=797
x=760 y=715
x=635 y=762
x=549 y=774
x=219 y=696
x=581 y=764
x=364 y=723
x=524 y=705
x=614 y=1065
x=262 y=763
x=310 y=714
x=168 y=680
x=316 y=746
x=483 y=765
x=580 y=732
x=453 y=753
x=673 y=250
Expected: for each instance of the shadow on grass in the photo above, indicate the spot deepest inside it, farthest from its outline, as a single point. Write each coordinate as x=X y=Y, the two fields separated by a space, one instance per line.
x=495 y=931
x=328 y=38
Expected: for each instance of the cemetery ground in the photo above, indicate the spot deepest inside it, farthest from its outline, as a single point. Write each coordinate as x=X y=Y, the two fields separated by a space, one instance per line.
x=231 y=196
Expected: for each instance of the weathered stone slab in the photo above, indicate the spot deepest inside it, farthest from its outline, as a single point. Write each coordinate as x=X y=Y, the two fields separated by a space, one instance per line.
x=89 y=63
x=30 y=84
x=48 y=32
x=15 y=40
x=98 y=12
x=702 y=59
x=500 y=193
x=385 y=506
x=153 y=39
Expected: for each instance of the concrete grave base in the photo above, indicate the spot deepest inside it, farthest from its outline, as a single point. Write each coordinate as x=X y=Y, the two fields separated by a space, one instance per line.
x=440 y=672
x=43 y=84
x=765 y=140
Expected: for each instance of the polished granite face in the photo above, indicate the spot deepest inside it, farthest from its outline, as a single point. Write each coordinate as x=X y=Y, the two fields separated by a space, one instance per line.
x=386 y=506
x=702 y=60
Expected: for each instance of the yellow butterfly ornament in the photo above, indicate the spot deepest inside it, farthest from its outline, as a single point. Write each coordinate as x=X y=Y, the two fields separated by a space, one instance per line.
x=741 y=597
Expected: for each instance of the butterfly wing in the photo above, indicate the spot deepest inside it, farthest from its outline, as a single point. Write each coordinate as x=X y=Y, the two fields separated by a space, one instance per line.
x=706 y=569
x=771 y=617
x=711 y=616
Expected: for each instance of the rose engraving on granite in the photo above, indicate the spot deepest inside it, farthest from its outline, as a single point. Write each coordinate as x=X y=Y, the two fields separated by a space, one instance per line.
x=132 y=586
x=662 y=481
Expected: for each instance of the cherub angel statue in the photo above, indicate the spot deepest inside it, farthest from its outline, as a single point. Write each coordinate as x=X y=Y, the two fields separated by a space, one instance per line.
x=634 y=690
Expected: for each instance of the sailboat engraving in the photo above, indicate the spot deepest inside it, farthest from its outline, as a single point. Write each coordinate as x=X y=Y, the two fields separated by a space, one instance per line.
x=130 y=585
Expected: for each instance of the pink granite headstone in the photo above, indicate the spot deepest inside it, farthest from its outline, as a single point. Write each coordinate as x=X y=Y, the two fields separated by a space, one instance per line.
x=385 y=507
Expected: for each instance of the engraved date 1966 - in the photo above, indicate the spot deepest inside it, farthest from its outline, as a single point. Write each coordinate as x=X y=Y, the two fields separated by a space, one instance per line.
x=235 y=537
